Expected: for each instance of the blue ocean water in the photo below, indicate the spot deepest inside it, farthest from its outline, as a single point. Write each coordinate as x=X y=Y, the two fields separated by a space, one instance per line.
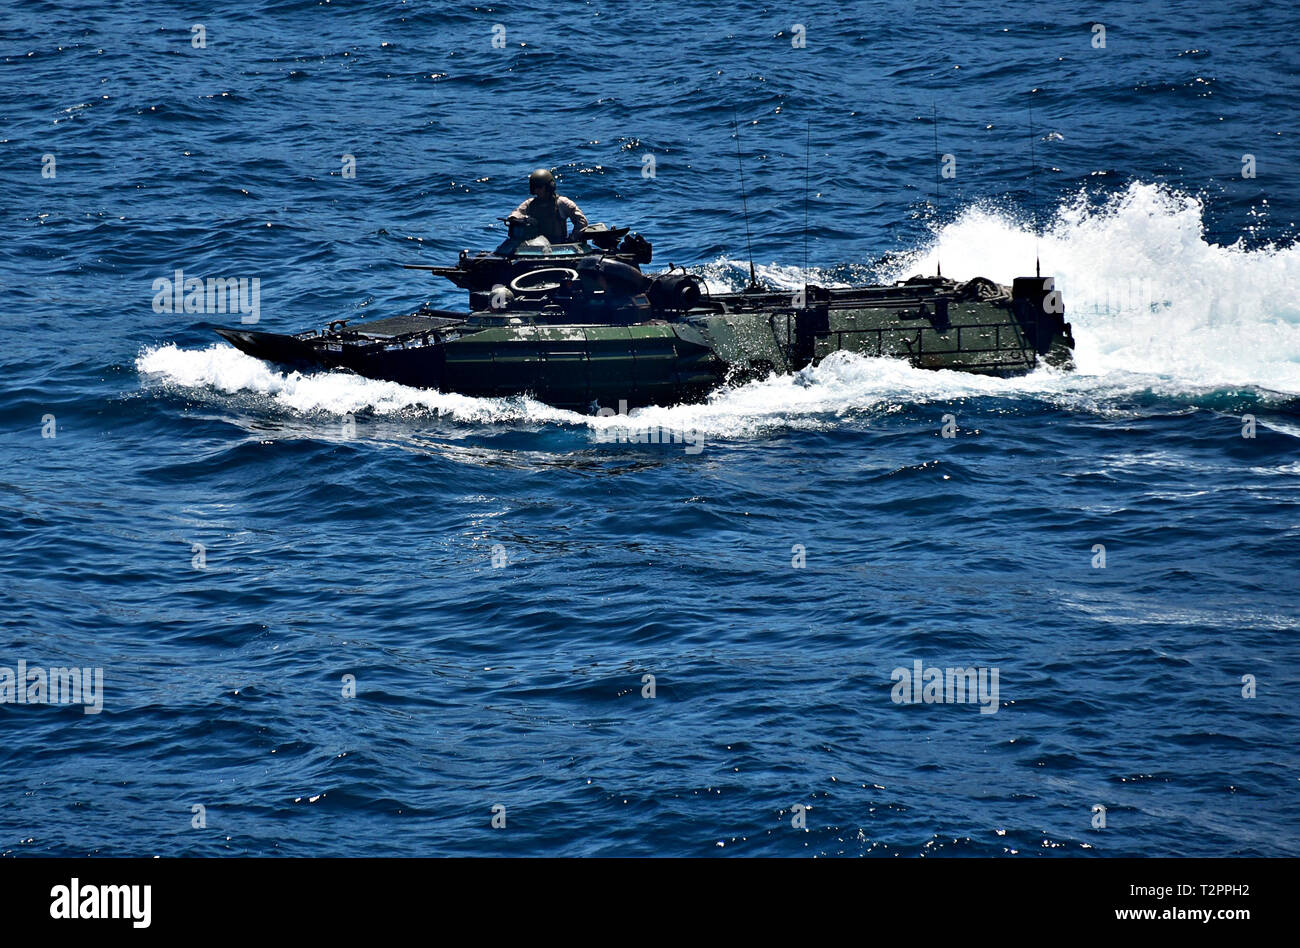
x=227 y=542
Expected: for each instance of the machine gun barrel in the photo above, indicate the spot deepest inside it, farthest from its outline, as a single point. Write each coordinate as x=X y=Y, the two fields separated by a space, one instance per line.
x=437 y=271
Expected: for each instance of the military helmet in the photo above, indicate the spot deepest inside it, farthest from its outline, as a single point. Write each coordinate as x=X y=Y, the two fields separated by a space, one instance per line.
x=541 y=181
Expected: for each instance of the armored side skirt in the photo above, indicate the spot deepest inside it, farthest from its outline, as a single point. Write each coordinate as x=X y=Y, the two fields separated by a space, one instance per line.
x=567 y=366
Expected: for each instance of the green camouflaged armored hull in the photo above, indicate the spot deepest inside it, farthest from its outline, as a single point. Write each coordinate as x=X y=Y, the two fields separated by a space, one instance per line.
x=580 y=326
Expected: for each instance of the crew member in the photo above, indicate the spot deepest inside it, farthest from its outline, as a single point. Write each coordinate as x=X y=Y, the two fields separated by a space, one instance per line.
x=546 y=213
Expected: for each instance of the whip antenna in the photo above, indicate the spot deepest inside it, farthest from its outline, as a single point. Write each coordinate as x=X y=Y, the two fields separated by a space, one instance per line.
x=744 y=203
x=934 y=120
x=1033 y=178
x=807 y=151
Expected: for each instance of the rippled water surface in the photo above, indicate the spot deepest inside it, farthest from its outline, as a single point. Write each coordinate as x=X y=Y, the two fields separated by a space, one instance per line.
x=228 y=542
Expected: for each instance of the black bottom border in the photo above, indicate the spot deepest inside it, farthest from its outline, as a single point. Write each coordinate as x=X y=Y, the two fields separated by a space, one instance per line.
x=948 y=897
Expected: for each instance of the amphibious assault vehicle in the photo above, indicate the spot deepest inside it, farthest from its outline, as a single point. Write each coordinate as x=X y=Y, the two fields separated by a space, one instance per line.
x=580 y=325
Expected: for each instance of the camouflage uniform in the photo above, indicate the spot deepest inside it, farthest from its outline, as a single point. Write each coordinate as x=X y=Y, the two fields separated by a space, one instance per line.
x=550 y=217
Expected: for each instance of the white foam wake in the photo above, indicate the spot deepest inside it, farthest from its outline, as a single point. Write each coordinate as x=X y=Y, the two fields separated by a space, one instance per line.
x=223 y=368
x=1146 y=292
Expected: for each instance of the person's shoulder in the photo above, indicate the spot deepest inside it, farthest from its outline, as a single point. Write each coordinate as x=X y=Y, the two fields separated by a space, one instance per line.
x=566 y=202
